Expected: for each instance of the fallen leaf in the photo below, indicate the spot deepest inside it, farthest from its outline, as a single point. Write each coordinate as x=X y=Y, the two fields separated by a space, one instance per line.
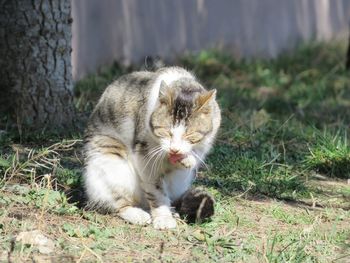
x=199 y=235
x=259 y=119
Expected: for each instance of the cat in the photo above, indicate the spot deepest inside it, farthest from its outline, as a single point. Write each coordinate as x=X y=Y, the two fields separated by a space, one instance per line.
x=145 y=139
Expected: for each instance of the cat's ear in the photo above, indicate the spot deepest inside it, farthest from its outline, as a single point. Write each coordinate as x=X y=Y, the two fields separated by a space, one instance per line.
x=165 y=93
x=204 y=99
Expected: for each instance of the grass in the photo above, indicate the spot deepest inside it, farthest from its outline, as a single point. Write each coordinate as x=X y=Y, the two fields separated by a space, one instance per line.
x=330 y=155
x=278 y=172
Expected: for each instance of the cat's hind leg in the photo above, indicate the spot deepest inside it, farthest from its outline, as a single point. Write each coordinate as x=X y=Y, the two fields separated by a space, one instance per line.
x=110 y=181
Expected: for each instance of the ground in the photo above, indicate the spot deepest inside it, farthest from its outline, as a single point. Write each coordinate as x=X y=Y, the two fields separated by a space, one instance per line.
x=279 y=172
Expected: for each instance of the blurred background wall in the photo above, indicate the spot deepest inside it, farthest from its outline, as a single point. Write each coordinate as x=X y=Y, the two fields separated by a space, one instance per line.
x=130 y=30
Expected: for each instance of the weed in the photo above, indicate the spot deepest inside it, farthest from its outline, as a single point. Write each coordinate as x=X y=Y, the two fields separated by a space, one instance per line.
x=330 y=155
x=272 y=171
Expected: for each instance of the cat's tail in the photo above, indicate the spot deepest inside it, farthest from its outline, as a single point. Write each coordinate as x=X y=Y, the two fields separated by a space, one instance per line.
x=195 y=205
x=153 y=63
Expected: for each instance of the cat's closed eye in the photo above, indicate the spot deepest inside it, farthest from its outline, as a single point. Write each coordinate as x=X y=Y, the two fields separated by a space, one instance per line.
x=162 y=132
x=194 y=137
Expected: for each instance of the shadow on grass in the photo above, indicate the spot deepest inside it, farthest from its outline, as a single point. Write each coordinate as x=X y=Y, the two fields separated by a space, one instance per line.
x=250 y=166
x=267 y=154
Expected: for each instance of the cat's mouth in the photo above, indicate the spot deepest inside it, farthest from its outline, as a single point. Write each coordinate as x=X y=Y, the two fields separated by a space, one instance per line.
x=176 y=157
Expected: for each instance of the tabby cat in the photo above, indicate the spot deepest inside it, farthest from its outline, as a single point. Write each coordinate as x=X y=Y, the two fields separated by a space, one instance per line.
x=145 y=139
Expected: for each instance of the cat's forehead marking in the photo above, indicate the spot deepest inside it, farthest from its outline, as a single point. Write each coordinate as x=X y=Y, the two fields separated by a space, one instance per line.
x=184 y=103
x=168 y=75
x=182 y=110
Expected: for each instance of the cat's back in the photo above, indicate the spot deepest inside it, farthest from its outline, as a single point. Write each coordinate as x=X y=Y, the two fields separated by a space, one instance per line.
x=126 y=104
x=120 y=103
x=134 y=92
x=142 y=83
x=132 y=85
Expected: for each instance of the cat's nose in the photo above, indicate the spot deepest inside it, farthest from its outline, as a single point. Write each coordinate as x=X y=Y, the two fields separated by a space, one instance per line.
x=174 y=151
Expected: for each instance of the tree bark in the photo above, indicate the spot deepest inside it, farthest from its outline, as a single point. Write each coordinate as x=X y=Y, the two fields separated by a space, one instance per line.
x=347 y=63
x=35 y=63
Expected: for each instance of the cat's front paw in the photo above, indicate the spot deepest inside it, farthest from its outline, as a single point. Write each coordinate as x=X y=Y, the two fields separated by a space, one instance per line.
x=135 y=215
x=189 y=161
x=164 y=222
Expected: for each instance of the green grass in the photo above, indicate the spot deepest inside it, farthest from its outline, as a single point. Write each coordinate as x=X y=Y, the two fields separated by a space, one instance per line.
x=330 y=155
x=278 y=172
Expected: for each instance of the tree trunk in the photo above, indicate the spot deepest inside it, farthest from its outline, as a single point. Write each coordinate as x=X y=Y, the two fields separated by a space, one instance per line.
x=347 y=63
x=35 y=63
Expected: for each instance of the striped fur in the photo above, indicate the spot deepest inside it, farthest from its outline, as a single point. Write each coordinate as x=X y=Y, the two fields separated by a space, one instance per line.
x=146 y=137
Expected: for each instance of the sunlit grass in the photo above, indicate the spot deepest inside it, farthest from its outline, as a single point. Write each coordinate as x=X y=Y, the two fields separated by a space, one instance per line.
x=330 y=155
x=277 y=171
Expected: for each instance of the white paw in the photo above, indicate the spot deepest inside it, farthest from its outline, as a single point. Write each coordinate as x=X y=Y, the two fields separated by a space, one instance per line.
x=164 y=222
x=135 y=215
x=189 y=161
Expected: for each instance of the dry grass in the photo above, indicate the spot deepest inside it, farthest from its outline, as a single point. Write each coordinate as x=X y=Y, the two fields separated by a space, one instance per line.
x=282 y=121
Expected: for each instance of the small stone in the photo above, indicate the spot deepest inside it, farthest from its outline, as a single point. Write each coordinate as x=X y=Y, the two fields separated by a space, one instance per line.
x=4 y=256
x=36 y=239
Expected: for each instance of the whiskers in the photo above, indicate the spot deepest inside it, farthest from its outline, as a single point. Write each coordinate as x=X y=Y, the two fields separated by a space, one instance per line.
x=200 y=160
x=154 y=158
x=154 y=161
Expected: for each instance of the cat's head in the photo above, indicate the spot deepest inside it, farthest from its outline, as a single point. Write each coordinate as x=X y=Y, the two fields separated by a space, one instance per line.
x=186 y=118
